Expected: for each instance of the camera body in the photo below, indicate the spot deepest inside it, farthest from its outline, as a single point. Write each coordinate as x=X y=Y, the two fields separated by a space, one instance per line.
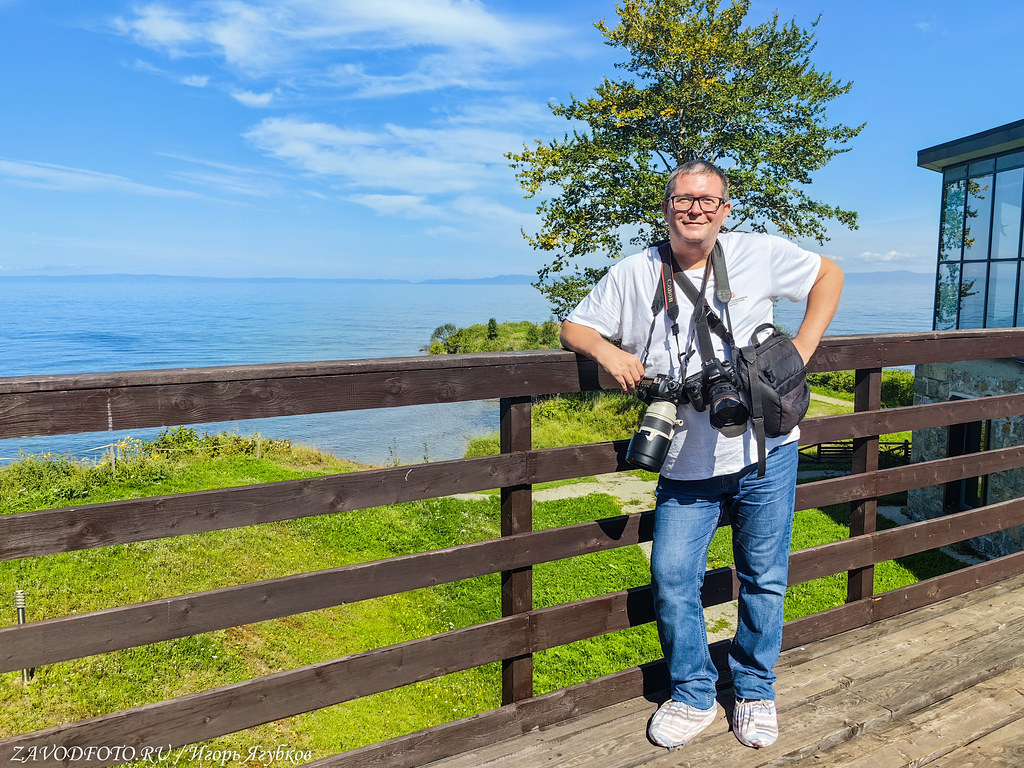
x=713 y=388
x=649 y=444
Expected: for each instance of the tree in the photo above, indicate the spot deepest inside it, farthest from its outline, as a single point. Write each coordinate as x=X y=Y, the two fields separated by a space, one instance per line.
x=702 y=86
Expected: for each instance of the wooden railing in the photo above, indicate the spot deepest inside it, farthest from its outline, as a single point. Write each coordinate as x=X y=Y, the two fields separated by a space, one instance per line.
x=56 y=405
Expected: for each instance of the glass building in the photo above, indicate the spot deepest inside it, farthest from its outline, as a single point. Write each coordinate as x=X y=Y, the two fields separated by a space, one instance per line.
x=979 y=283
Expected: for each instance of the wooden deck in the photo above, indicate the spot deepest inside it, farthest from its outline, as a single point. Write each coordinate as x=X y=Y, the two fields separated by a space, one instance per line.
x=941 y=686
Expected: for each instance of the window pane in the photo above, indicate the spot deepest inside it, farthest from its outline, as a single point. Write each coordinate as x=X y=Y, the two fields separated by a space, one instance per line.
x=1009 y=161
x=951 y=237
x=972 y=295
x=947 y=297
x=954 y=172
x=982 y=167
x=1002 y=294
x=1020 y=308
x=979 y=217
x=1006 y=216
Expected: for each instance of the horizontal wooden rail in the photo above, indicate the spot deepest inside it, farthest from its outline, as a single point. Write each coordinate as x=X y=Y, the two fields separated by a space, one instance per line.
x=649 y=680
x=32 y=534
x=53 y=405
x=157 y=398
x=226 y=709
x=889 y=350
x=886 y=481
x=888 y=604
x=880 y=546
x=230 y=708
x=52 y=640
x=908 y=418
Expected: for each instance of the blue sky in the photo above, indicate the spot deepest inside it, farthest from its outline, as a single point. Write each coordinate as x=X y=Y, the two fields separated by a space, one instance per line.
x=365 y=138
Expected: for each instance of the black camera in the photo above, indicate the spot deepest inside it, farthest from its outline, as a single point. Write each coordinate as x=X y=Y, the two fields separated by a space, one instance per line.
x=649 y=444
x=713 y=388
x=721 y=397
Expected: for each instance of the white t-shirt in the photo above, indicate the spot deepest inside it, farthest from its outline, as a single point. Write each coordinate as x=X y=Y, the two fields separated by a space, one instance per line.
x=760 y=268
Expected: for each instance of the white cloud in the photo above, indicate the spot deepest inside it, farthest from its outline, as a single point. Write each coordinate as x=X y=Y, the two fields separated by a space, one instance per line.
x=229 y=183
x=250 y=99
x=192 y=81
x=250 y=182
x=485 y=208
x=508 y=111
x=406 y=206
x=431 y=43
x=414 y=161
x=157 y=27
x=892 y=257
x=433 y=73
x=62 y=178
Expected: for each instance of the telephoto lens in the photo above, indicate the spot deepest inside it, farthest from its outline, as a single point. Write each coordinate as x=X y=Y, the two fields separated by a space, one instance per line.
x=649 y=444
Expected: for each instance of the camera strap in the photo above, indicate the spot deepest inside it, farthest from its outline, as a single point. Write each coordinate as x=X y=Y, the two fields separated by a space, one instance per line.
x=705 y=321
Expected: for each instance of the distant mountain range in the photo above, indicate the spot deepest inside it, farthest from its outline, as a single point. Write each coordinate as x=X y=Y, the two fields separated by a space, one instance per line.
x=895 y=275
x=496 y=280
x=898 y=275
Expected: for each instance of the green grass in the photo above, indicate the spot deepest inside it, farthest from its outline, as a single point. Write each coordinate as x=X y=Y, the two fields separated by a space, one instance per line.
x=575 y=419
x=96 y=579
x=494 y=337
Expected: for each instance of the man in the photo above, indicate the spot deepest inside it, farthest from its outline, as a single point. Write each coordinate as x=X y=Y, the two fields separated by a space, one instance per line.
x=707 y=474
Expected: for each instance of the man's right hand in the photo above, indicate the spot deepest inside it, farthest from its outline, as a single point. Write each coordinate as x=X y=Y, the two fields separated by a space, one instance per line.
x=623 y=366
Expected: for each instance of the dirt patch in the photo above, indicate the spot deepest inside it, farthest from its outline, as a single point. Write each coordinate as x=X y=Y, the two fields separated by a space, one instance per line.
x=633 y=493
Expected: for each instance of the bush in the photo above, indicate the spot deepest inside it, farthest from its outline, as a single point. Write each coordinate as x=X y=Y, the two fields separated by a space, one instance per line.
x=494 y=337
x=897 y=385
x=897 y=388
x=840 y=382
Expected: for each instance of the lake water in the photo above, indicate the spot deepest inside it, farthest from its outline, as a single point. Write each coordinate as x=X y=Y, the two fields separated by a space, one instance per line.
x=52 y=325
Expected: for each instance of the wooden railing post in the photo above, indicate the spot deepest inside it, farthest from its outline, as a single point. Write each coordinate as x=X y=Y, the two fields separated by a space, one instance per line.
x=867 y=396
x=516 y=517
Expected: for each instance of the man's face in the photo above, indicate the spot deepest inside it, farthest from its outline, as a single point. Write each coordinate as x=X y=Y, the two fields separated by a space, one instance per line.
x=693 y=225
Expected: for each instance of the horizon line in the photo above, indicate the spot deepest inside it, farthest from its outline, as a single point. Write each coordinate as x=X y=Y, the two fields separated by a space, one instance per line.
x=516 y=278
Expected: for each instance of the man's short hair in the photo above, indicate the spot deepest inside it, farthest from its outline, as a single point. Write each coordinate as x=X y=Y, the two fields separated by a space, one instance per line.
x=697 y=166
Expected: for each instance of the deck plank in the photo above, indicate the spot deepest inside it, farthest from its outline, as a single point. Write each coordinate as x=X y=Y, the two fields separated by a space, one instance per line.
x=941 y=685
x=1002 y=748
x=933 y=733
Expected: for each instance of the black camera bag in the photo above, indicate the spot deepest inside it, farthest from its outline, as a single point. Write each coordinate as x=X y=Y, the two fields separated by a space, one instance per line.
x=773 y=372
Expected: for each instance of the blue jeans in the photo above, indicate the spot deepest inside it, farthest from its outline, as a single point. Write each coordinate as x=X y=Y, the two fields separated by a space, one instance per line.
x=686 y=517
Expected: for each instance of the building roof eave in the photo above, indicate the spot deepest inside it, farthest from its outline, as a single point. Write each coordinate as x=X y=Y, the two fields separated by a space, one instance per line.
x=994 y=141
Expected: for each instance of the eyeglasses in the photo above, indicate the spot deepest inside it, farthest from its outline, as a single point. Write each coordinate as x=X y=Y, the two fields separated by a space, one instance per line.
x=683 y=203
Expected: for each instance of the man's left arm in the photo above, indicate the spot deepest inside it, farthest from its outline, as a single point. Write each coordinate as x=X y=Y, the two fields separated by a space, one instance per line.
x=821 y=306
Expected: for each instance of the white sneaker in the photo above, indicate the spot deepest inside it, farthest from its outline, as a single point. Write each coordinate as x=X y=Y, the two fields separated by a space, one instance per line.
x=755 y=723
x=675 y=724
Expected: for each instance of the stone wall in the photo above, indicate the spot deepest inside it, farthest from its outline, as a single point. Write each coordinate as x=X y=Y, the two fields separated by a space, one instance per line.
x=941 y=382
